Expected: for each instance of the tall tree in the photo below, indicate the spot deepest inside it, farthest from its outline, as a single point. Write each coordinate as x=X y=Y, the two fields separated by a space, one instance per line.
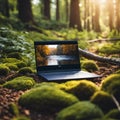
x=111 y=14
x=4 y=8
x=46 y=10
x=25 y=12
x=57 y=10
x=87 y=15
x=75 y=15
x=67 y=9
x=96 y=16
x=118 y=15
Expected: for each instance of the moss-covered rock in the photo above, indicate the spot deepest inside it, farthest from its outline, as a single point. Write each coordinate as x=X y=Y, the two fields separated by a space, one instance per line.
x=111 y=79
x=25 y=70
x=89 y=65
x=103 y=100
x=83 y=89
x=14 y=55
x=114 y=89
x=20 y=83
x=51 y=84
x=46 y=99
x=4 y=70
x=80 y=111
x=115 y=114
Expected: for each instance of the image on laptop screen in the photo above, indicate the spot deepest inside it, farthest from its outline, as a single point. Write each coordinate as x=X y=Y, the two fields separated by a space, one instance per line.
x=56 y=54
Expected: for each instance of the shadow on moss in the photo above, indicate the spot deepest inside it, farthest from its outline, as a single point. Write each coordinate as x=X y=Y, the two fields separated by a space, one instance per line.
x=104 y=101
x=115 y=114
x=4 y=70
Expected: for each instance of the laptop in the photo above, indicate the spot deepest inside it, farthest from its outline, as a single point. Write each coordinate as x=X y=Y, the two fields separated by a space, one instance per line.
x=59 y=61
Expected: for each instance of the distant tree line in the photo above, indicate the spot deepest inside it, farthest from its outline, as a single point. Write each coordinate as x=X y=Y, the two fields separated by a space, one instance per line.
x=81 y=14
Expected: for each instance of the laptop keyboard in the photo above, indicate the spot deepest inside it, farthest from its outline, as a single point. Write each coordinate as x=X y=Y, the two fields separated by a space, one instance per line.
x=61 y=72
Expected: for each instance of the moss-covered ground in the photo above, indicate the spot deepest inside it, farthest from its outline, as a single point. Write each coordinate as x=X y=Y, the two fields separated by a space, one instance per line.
x=25 y=96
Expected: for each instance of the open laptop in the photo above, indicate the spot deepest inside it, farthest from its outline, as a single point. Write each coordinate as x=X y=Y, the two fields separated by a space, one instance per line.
x=59 y=60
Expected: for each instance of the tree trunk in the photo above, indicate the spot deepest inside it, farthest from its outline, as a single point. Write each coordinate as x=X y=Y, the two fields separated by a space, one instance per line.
x=75 y=15
x=118 y=15
x=88 y=15
x=111 y=14
x=46 y=10
x=57 y=11
x=92 y=56
x=25 y=11
x=96 y=17
x=4 y=8
x=85 y=14
x=67 y=10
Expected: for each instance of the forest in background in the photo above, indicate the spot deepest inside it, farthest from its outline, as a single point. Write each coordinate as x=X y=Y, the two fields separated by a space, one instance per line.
x=94 y=24
x=89 y=15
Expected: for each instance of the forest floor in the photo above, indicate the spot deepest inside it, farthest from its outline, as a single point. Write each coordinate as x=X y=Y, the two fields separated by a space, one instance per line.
x=8 y=96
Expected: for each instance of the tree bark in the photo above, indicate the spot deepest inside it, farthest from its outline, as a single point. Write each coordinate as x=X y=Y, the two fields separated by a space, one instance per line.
x=75 y=15
x=46 y=10
x=25 y=11
x=118 y=15
x=111 y=14
x=4 y=8
x=92 y=56
x=67 y=10
x=96 y=16
x=57 y=11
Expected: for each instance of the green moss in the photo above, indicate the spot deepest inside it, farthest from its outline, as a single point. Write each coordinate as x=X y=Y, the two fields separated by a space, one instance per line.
x=68 y=85
x=21 y=118
x=109 y=80
x=84 y=89
x=21 y=64
x=80 y=111
x=25 y=70
x=14 y=55
x=13 y=108
x=117 y=72
x=103 y=100
x=10 y=60
x=20 y=83
x=12 y=66
x=4 y=70
x=114 y=89
x=51 y=84
x=18 y=63
x=110 y=48
x=46 y=99
x=115 y=114
x=89 y=65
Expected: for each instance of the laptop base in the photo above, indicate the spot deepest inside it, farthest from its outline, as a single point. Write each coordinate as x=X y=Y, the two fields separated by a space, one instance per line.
x=64 y=76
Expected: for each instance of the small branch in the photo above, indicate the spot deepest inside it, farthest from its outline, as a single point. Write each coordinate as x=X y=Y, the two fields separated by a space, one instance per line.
x=92 y=56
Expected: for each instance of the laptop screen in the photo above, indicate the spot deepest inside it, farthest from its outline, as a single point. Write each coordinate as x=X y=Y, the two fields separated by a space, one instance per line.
x=56 y=55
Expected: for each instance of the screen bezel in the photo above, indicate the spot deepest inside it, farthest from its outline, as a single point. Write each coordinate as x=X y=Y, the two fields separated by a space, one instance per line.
x=57 y=67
